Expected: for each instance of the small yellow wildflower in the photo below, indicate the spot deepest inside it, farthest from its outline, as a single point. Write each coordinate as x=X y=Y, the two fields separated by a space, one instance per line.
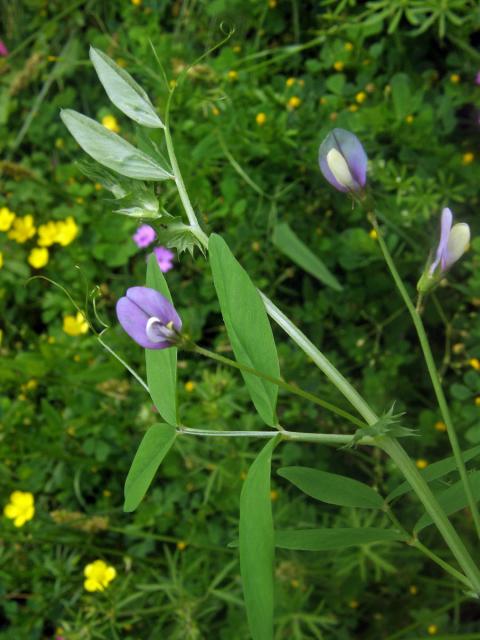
x=421 y=463
x=373 y=234
x=237 y=48
x=190 y=386
x=31 y=384
x=413 y=589
x=59 y=143
x=274 y=495
x=232 y=75
x=454 y=78
x=22 y=230
x=353 y=604
x=98 y=575
x=474 y=363
x=432 y=629
x=323 y=101
x=1 y=259
x=333 y=116
x=260 y=118
x=6 y=218
x=294 y=102
x=98 y=186
x=47 y=234
x=468 y=158
x=348 y=46
x=21 y=507
x=353 y=108
x=137 y=3
x=295 y=583
x=215 y=111
x=338 y=65
x=290 y=82
x=67 y=231
x=458 y=347
x=409 y=119
x=272 y=4
x=181 y=545
x=477 y=401
x=440 y=426
x=38 y=257
x=256 y=246
x=361 y=97
x=121 y=62
x=110 y=122
x=75 y=325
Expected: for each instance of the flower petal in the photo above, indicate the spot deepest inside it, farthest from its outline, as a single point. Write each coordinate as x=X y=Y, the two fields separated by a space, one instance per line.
x=350 y=147
x=458 y=241
x=445 y=226
x=134 y=322
x=155 y=305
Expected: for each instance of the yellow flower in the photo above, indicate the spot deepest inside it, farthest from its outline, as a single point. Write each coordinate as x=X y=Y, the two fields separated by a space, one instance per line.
x=454 y=78
x=232 y=75
x=274 y=495
x=110 y=122
x=294 y=102
x=290 y=82
x=1 y=259
x=22 y=230
x=272 y=4
x=137 y=3
x=21 y=507
x=47 y=234
x=260 y=119
x=413 y=589
x=421 y=463
x=353 y=604
x=373 y=234
x=75 y=325
x=38 y=257
x=237 y=48
x=468 y=158
x=409 y=119
x=189 y=386
x=338 y=65
x=353 y=108
x=98 y=575
x=256 y=246
x=440 y=426
x=348 y=46
x=477 y=401
x=474 y=363
x=67 y=231
x=361 y=97
x=6 y=218
x=215 y=111
x=181 y=545
x=432 y=629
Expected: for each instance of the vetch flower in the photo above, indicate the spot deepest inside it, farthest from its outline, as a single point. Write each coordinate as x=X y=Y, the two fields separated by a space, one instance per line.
x=453 y=243
x=21 y=507
x=343 y=161
x=144 y=235
x=98 y=575
x=164 y=258
x=148 y=318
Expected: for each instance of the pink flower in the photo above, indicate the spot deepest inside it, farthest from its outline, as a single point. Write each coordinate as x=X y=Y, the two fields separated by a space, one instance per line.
x=144 y=236
x=3 y=49
x=477 y=78
x=164 y=258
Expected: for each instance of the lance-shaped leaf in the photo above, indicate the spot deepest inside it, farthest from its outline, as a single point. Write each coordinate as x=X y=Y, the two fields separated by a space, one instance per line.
x=155 y=445
x=247 y=325
x=328 y=539
x=257 y=548
x=332 y=488
x=123 y=91
x=161 y=363
x=111 y=150
x=453 y=499
x=291 y=245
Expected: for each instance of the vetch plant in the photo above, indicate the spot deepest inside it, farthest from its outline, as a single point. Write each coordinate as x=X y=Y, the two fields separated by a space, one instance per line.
x=148 y=315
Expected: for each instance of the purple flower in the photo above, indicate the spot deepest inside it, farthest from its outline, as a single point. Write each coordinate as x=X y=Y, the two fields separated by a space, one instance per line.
x=477 y=78
x=343 y=161
x=149 y=318
x=453 y=243
x=144 y=236
x=164 y=258
x=3 y=49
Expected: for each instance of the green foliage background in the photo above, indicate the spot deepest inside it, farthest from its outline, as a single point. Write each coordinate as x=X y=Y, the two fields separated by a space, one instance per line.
x=71 y=438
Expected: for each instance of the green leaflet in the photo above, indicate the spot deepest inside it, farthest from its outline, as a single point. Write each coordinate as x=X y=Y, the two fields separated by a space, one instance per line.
x=452 y=499
x=291 y=245
x=161 y=363
x=155 y=445
x=435 y=471
x=123 y=91
x=111 y=150
x=247 y=325
x=332 y=488
x=256 y=542
x=327 y=539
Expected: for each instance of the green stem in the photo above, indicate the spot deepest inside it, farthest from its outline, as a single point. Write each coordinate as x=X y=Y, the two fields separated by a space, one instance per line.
x=432 y=370
x=398 y=454
x=280 y=383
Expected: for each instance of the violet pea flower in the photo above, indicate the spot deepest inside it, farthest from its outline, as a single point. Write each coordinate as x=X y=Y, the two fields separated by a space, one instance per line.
x=144 y=235
x=148 y=318
x=343 y=161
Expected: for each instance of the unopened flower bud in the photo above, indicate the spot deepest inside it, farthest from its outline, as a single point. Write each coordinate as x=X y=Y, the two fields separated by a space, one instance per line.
x=343 y=161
